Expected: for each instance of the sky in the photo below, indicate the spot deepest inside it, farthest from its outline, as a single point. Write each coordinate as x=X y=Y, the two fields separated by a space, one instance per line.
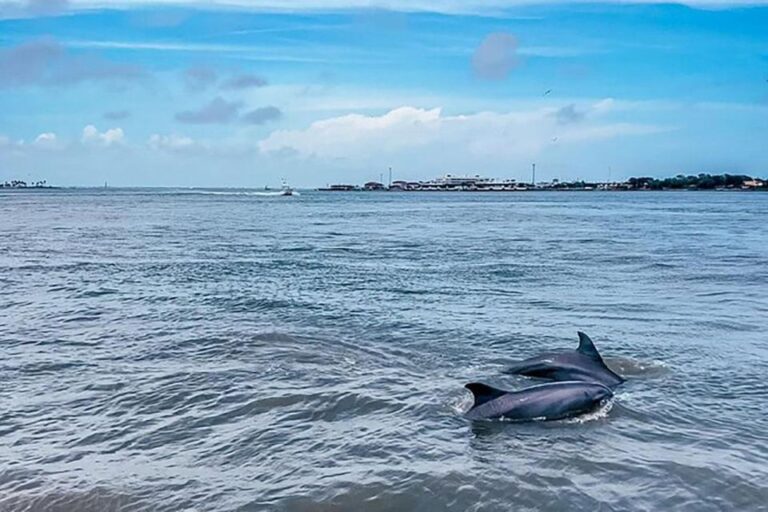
x=235 y=93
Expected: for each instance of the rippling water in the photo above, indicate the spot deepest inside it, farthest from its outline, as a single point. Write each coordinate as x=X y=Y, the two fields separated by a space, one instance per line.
x=170 y=350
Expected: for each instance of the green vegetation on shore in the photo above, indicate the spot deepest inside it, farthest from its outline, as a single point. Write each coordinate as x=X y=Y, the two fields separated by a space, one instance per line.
x=680 y=182
x=24 y=184
x=702 y=181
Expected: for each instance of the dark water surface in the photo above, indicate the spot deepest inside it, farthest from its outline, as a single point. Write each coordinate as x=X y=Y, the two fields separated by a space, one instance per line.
x=216 y=351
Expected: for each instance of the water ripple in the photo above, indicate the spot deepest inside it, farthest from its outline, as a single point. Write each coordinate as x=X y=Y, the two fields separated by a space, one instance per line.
x=217 y=351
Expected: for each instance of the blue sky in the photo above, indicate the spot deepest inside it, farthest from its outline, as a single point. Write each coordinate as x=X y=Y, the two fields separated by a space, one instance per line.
x=196 y=93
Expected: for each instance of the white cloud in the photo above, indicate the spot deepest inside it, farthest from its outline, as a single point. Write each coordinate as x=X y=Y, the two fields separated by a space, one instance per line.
x=484 y=135
x=47 y=140
x=235 y=146
x=44 y=141
x=604 y=105
x=171 y=142
x=348 y=135
x=112 y=136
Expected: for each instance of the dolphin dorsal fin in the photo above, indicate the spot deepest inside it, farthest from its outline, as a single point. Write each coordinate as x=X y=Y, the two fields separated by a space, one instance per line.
x=587 y=348
x=483 y=393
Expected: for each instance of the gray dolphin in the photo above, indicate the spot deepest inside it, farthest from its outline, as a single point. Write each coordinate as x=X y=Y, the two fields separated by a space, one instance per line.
x=584 y=364
x=550 y=401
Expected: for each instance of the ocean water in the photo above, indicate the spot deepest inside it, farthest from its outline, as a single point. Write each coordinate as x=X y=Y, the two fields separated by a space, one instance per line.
x=229 y=351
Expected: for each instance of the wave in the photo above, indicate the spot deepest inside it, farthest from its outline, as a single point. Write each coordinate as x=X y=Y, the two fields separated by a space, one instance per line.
x=627 y=367
x=598 y=414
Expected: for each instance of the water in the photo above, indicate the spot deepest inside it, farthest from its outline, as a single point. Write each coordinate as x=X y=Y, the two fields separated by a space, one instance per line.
x=169 y=350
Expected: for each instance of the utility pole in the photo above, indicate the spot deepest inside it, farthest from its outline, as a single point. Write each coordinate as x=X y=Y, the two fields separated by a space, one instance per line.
x=533 y=175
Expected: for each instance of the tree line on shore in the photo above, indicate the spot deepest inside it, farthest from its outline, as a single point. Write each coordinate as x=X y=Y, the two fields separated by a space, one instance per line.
x=701 y=181
x=23 y=184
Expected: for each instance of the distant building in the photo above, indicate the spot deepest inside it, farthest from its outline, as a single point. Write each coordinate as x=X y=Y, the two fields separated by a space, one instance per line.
x=753 y=184
x=477 y=183
x=449 y=182
x=405 y=185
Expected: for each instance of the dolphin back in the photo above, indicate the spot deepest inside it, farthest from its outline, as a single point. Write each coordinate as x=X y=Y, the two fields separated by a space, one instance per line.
x=583 y=364
x=551 y=401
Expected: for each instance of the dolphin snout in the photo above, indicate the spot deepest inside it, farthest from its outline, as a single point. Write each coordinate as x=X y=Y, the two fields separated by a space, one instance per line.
x=604 y=393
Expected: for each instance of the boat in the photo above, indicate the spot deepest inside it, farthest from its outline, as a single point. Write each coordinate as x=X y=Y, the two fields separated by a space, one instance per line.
x=286 y=190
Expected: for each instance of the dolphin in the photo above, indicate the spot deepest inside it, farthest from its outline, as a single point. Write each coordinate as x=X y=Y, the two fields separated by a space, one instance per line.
x=550 y=401
x=584 y=364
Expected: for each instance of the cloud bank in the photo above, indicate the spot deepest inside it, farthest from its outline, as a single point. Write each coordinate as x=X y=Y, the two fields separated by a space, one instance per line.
x=221 y=111
x=46 y=63
x=116 y=115
x=496 y=56
x=28 y=8
x=244 y=81
x=218 y=111
x=484 y=136
x=568 y=114
x=262 y=115
x=199 y=78
x=31 y=7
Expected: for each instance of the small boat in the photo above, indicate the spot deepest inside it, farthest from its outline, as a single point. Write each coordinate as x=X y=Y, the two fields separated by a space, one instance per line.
x=286 y=190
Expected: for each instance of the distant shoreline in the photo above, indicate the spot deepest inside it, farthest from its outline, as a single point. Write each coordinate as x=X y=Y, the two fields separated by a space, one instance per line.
x=477 y=183
x=31 y=188
x=761 y=189
x=366 y=192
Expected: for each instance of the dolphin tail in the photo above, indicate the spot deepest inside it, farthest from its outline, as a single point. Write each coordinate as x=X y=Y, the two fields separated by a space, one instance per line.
x=483 y=393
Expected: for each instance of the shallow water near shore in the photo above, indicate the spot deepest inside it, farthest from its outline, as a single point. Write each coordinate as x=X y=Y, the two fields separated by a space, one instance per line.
x=167 y=350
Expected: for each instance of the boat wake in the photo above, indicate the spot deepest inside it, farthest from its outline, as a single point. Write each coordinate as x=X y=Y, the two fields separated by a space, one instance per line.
x=276 y=193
